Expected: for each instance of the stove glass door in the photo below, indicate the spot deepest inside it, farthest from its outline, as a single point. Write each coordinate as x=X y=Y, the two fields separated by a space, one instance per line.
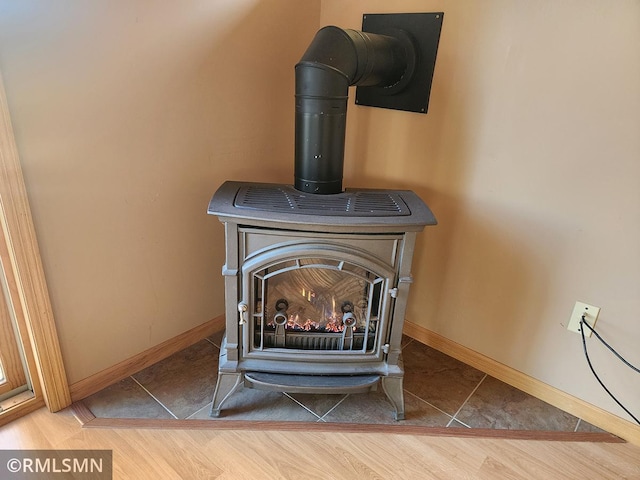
x=317 y=303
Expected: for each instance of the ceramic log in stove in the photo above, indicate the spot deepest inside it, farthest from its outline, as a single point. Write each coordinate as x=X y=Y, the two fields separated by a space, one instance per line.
x=317 y=278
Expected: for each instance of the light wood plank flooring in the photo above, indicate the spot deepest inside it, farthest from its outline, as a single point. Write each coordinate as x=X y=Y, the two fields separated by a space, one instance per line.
x=198 y=454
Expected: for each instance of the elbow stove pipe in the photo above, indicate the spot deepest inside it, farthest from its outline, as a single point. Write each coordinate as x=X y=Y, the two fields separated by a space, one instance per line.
x=335 y=60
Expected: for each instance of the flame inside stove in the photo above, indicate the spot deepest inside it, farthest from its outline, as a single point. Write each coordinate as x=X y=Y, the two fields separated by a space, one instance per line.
x=333 y=324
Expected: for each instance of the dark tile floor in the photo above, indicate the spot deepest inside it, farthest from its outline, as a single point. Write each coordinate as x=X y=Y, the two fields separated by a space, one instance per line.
x=440 y=391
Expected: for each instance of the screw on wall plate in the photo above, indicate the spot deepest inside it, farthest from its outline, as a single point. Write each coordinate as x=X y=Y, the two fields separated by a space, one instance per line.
x=590 y=314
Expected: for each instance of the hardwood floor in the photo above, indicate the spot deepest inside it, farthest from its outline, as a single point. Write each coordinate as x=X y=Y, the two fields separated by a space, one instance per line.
x=227 y=454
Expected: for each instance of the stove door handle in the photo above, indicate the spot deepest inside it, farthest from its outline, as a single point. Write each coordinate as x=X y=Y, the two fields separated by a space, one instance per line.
x=243 y=308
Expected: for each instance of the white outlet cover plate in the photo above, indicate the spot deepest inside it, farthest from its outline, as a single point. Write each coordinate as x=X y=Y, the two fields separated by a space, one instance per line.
x=590 y=313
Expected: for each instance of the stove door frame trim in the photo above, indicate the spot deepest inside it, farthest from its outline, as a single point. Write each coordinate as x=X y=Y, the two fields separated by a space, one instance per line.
x=332 y=251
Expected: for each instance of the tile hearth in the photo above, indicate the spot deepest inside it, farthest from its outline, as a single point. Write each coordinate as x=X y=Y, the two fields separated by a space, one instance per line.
x=440 y=391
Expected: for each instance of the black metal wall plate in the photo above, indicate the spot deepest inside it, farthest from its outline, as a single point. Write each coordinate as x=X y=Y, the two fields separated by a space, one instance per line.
x=423 y=31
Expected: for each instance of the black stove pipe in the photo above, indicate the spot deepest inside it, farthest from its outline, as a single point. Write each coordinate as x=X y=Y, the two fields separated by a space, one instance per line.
x=335 y=60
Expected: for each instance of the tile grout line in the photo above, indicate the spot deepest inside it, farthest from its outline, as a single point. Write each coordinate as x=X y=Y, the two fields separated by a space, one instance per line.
x=402 y=347
x=208 y=405
x=302 y=405
x=424 y=401
x=211 y=342
x=153 y=396
x=577 y=425
x=333 y=408
x=465 y=402
x=458 y=421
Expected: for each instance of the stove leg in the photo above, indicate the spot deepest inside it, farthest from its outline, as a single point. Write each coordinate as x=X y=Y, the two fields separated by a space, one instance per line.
x=225 y=386
x=392 y=386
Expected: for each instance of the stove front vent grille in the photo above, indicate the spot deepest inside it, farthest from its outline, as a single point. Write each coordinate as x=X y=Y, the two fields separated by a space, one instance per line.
x=287 y=199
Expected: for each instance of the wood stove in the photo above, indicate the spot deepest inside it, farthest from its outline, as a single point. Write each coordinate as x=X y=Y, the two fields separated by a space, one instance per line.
x=315 y=288
x=317 y=278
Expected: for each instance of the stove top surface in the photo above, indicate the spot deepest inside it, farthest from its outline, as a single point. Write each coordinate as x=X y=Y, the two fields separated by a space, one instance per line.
x=353 y=207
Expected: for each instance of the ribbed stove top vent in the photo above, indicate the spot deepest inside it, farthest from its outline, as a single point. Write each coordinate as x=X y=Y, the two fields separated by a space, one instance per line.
x=282 y=198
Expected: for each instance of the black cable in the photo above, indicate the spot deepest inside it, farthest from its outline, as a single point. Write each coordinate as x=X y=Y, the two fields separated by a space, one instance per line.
x=583 y=322
x=586 y=354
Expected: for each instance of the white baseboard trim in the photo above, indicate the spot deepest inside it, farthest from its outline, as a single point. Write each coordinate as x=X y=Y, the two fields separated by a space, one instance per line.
x=573 y=405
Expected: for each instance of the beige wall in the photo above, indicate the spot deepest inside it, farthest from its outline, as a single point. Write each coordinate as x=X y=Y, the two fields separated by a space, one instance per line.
x=128 y=115
x=530 y=159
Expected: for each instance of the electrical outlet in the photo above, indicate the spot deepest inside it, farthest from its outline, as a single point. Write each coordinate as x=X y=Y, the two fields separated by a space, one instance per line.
x=590 y=316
